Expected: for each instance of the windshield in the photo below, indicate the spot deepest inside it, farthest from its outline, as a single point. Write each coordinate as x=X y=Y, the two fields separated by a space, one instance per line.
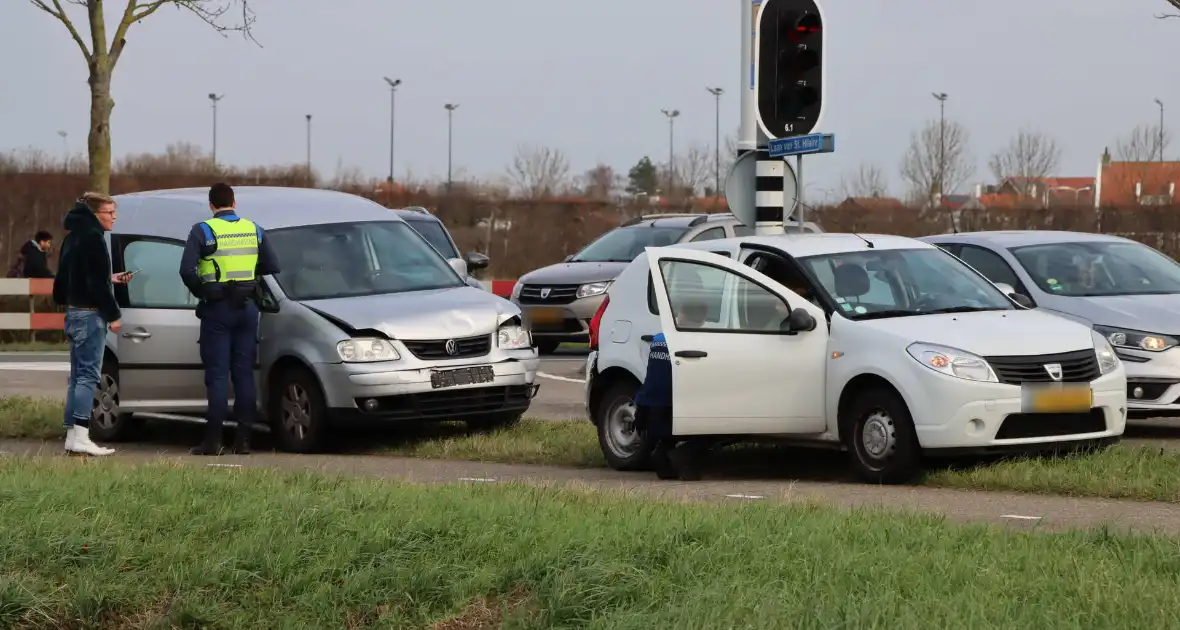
x=1099 y=268
x=435 y=234
x=875 y=284
x=355 y=259
x=627 y=243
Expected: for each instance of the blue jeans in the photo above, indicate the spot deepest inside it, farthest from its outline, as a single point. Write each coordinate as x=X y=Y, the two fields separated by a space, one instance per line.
x=229 y=348
x=86 y=332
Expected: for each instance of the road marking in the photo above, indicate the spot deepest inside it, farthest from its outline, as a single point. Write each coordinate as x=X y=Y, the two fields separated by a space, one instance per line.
x=564 y=379
x=745 y=496
x=47 y=366
x=1021 y=517
x=483 y=479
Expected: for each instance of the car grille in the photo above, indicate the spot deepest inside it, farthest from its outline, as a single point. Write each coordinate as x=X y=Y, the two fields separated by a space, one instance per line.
x=1034 y=425
x=450 y=403
x=1076 y=367
x=465 y=347
x=557 y=293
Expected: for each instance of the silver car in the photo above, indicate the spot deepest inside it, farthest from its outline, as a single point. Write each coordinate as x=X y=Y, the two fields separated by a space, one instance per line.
x=367 y=321
x=432 y=229
x=560 y=300
x=1127 y=291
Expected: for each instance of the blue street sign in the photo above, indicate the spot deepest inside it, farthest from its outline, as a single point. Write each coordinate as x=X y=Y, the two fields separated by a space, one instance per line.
x=796 y=145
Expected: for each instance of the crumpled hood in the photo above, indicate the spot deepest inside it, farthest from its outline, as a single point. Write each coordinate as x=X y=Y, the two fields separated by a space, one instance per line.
x=1148 y=313
x=574 y=273
x=436 y=314
x=81 y=219
x=990 y=333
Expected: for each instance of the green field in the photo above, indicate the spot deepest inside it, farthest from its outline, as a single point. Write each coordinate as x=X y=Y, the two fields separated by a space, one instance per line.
x=1121 y=472
x=106 y=544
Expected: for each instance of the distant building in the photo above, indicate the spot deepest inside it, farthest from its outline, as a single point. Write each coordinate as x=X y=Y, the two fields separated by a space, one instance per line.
x=1124 y=184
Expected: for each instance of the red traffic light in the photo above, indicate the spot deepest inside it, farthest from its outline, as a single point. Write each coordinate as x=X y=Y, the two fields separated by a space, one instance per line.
x=806 y=26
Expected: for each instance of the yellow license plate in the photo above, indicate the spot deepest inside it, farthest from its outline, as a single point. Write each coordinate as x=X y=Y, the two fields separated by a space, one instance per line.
x=1057 y=398
x=546 y=315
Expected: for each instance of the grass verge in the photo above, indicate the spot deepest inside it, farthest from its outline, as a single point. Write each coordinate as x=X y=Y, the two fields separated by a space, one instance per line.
x=34 y=346
x=1122 y=472
x=105 y=544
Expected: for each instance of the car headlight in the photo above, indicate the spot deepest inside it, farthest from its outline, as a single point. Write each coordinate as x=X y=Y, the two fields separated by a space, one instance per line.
x=594 y=288
x=514 y=338
x=952 y=362
x=1123 y=338
x=364 y=350
x=1107 y=360
x=516 y=289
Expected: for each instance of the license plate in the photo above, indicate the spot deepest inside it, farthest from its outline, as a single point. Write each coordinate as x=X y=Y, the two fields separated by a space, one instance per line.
x=546 y=315
x=1057 y=398
x=462 y=376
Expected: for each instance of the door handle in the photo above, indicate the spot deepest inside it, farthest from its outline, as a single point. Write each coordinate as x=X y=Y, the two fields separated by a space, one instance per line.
x=646 y=338
x=692 y=354
x=143 y=334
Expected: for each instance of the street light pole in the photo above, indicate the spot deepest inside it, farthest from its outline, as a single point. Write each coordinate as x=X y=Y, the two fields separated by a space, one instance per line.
x=716 y=92
x=671 y=148
x=309 y=148
x=65 y=146
x=450 y=107
x=214 y=98
x=393 y=83
x=1161 y=104
x=941 y=96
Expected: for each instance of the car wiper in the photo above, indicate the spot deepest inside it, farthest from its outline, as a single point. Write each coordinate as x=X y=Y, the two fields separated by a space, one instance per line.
x=890 y=313
x=962 y=309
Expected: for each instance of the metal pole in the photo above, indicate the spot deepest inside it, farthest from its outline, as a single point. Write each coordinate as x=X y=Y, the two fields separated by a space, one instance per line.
x=393 y=83
x=671 y=114
x=748 y=132
x=1161 y=136
x=214 y=98
x=798 y=193
x=941 y=96
x=716 y=92
x=309 y=148
x=450 y=107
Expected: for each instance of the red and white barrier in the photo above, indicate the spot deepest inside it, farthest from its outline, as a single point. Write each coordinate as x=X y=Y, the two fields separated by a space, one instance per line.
x=36 y=287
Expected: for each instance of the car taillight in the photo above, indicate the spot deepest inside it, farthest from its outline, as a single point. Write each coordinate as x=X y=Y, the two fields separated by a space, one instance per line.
x=596 y=321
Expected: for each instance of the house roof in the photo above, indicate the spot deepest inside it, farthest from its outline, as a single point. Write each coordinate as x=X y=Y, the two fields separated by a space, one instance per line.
x=1119 y=179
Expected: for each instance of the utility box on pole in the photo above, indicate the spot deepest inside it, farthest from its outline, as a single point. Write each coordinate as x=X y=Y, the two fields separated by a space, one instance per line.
x=789 y=67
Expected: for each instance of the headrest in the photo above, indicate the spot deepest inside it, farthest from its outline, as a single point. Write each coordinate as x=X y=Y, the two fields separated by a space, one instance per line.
x=851 y=281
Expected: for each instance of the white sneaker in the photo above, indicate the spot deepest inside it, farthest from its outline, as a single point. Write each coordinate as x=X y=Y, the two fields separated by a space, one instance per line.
x=84 y=446
x=70 y=439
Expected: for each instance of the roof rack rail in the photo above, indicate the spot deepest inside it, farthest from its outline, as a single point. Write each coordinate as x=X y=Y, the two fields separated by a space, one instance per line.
x=664 y=215
x=712 y=216
x=418 y=209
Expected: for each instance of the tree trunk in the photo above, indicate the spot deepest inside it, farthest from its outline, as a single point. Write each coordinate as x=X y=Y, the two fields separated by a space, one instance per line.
x=99 y=141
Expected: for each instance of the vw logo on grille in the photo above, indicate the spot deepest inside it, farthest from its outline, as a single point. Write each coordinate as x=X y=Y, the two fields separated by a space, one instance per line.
x=1054 y=370
x=545 y=293
x=452 y=347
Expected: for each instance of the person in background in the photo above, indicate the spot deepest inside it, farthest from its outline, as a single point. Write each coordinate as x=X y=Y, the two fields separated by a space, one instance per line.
x=36 y=254
x=84 y=285
x=220 y=265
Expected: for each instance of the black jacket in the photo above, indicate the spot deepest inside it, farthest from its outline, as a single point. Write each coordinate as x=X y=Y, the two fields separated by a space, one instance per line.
x=36 y=262
x=84 y=269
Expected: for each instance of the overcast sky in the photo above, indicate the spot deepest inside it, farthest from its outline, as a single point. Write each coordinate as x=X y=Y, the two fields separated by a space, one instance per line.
x=589 y=78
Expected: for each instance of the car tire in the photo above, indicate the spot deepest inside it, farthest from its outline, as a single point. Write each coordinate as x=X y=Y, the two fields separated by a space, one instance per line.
x=297 y=412
x=547 y=347
x=107 y=424
x=878 y=431
x=623 y=447
x=494 y=421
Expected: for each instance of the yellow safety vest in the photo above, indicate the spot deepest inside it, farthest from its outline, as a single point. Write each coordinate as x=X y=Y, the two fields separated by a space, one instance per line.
x=236 y=256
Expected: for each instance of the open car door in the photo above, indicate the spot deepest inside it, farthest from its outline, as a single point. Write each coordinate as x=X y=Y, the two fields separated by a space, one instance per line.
x=736 y=369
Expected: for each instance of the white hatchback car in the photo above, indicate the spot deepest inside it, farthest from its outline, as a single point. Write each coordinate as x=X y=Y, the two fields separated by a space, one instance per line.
x=885 y=344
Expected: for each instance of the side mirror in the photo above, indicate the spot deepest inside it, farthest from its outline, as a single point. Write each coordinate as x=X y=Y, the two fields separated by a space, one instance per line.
x=1005 y=287
x=568 y=258
x=476 y=261
x=798 y=321
x=459 y=265
x=1021 y=299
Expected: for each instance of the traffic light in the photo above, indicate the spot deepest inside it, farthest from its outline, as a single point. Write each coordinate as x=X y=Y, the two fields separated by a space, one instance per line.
x=789 y=48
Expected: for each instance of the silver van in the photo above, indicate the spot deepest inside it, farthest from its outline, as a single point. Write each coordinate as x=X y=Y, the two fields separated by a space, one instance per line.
x=367 y=321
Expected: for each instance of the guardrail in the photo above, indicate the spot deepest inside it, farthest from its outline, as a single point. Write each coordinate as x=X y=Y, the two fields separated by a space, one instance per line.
x=33 y=288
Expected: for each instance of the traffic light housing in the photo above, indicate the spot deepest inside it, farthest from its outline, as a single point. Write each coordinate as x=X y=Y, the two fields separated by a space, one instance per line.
x=789 y=65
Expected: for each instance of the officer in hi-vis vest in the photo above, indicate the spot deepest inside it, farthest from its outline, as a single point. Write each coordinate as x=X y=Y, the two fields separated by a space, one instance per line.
x=221 y=263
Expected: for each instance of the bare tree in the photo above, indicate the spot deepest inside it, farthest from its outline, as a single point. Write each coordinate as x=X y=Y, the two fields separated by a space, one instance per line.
x=694 y=167
x=1029 y=156
x=867 y=181
x=538 y=171
x=937 y=161
x=1143 y=144
x=599 y=182
x=101 y=57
